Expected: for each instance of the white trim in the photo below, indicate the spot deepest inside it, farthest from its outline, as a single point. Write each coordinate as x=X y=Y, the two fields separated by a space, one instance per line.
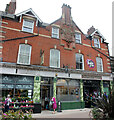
x=101 y=61
x=98 y=32
x=54 y=25
x=82 y=60
x=96 y=43
x=53 y=33
x=28 y=27
x=80 y=40
x=58 y=58
x=30 y=9
x=19 y=55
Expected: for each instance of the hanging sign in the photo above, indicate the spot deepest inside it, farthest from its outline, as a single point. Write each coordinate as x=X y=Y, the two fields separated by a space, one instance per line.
x=90 y=63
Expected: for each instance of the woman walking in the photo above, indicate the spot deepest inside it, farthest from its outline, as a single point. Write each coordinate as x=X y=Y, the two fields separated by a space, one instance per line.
x=54 y=104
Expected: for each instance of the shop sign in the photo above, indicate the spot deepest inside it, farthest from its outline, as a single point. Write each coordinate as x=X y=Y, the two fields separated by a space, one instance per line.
x=24 y=86
x=6 y=86
x=90 y=63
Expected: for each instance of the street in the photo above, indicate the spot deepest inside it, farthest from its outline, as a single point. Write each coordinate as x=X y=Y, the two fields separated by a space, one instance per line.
x=76 y=113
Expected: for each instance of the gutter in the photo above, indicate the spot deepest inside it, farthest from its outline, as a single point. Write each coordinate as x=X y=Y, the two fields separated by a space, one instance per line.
x=18 y=38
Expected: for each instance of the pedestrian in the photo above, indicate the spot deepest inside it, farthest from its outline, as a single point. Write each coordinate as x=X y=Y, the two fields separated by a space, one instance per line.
x=7 y=102
x=54 y=104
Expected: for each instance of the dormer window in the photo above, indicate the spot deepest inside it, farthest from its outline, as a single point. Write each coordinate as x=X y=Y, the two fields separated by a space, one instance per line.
x=77 y=37
x=55 y=32
x=28 y=25
x=96 y=42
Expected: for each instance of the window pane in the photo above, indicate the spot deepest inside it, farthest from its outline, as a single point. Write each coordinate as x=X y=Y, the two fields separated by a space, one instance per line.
x=54 y=58
x=96 y=42
x=68 y=91
x=28 y=26
x=99 y=64
x=78 y=37
x=24 y=54
x=55 y=32
x=79 y=61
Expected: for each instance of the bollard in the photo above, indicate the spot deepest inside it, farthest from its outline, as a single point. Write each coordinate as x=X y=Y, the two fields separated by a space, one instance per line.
x=59 y=107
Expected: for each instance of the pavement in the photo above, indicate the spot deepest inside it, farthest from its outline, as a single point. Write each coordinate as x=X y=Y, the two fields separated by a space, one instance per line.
x=75 y=113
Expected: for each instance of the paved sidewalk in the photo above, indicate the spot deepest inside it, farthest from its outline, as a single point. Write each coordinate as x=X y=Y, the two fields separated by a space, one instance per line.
x=75 y=113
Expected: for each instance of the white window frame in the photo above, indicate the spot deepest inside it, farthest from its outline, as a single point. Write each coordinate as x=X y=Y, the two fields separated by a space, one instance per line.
x=78 y=38
x=55 y=32
x=97 y=43
x=55 y=58
x=26 y=27
x=80 y=62
x=99 y=64
x=21 y=54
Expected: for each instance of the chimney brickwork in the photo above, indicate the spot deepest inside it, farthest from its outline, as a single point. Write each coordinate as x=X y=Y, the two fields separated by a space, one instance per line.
x=11 y=7
x=66 y=14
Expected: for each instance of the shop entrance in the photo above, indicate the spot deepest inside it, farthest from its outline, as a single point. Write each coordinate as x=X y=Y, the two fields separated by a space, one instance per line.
x=91 y=91
x=46 y=92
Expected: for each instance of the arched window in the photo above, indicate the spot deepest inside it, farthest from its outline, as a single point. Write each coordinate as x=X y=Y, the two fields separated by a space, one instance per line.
x=24 y=54
x=54 y=58
x=99 y=64
x=79 y=61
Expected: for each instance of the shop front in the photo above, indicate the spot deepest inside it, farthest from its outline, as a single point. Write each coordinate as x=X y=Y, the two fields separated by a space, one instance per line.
x=17 y=86
x=69 y=93
x=46 y=93
x=92 y=90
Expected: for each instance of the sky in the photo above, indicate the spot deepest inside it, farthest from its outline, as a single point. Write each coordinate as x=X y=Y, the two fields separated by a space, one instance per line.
x=85 y=13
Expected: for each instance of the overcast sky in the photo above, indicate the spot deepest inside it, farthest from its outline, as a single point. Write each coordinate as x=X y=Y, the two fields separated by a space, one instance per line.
x=85 y=13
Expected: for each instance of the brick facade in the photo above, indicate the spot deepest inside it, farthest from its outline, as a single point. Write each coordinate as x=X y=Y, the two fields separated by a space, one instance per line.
x=14 y=36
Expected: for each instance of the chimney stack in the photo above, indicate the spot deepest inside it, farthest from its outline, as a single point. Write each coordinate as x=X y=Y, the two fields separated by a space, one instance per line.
x=66 y=13
x=90 y=30
x=11 y=7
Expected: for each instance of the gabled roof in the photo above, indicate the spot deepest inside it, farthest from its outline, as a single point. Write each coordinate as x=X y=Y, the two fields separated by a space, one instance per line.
x=96 y=30
x=31 y=13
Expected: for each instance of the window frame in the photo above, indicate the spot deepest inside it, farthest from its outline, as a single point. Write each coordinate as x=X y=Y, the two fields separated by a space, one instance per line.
x=55 y=34
x=97 y=44
x=21 y=53
x=78 y=39
x=54 y=56
x=28 y=27
x=80 y=62
x=99 y=64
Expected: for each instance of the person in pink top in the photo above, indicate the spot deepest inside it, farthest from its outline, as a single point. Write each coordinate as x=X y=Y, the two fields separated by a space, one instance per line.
x=54 y=104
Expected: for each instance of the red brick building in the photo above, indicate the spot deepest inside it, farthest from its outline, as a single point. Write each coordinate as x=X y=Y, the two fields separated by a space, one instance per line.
x=68 y=63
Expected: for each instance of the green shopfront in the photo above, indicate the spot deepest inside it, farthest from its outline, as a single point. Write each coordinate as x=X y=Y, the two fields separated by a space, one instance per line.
x=68 y=90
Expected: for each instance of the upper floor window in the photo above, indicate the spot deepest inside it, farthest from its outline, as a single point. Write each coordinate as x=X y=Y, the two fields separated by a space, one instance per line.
x=28 y=25
x=54 y=58
x=24 y=54
x=96 y=42
x=77 y=37
x=99 y=64
x=79 y=61
x=55 y=32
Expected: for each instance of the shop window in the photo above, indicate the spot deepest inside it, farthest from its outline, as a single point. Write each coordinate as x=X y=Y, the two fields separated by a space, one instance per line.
x=99 y=64
x=79 y=61
x=54 y=58
x=96 y=43
x=78 y=38
x=24 y=54
x=55 y=32
x=68 y=90
x=28 y=25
